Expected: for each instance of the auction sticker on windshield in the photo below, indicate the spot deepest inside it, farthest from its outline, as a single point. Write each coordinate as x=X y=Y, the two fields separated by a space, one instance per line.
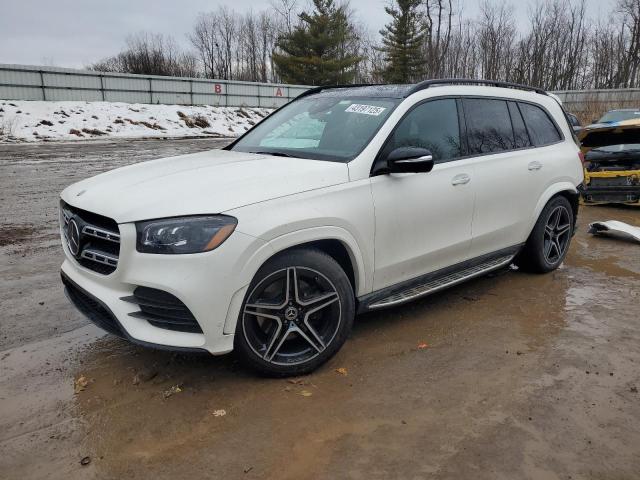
x=365 y=109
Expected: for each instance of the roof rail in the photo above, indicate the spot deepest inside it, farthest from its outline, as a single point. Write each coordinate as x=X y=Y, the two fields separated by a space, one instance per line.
x=469 y=81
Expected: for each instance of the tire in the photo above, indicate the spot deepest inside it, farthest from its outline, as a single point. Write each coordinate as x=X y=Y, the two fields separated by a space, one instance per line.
x=548 y=244
x=297 y=313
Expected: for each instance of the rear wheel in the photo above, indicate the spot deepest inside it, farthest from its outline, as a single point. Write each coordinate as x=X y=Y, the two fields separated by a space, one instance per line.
x=298 y=312
x=549 y=241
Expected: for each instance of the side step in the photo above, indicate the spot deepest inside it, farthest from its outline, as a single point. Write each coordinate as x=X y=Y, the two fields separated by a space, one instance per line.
x=440 y=282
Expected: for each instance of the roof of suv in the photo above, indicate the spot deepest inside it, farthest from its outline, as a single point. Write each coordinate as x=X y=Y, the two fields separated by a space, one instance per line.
x=404 y=90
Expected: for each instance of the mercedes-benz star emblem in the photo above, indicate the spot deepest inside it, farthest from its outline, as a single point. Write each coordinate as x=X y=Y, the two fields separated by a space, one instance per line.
x=291 y=313
x=73 y=233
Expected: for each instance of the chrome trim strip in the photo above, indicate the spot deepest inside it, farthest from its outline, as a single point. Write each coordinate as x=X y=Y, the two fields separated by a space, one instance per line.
x=99 y=257
x=425 y=158
x=95 y=232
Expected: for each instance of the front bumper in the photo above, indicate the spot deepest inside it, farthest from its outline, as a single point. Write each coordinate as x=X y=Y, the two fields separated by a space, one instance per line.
x=100 y=314
x=211 y=285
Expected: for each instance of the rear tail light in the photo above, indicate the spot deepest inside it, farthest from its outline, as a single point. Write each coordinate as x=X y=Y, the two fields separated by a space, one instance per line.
x=581 y=157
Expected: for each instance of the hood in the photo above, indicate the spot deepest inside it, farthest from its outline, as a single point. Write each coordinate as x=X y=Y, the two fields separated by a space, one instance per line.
x=604 y=134
x=202 y=183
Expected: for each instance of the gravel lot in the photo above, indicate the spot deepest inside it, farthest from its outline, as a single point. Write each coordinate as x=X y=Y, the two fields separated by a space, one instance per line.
x=522 y=377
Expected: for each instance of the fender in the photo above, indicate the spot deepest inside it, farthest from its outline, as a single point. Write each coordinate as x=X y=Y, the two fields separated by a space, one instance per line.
x=546 y=196
x=363 y=274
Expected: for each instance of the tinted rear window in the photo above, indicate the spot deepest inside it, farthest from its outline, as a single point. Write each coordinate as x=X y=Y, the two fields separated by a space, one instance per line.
x=488 y=126
x=541 y=128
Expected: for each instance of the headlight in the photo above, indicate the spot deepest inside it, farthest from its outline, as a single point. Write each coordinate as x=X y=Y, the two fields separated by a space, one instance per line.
x=184 y=234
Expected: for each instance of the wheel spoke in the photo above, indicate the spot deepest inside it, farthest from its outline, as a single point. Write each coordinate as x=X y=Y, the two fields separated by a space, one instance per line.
x=292 y=285
x=266 y=306
x=554 y=246
x=548 y=231
x=562 y=229
x=547 y=248
x=320 y=299
x=317 y=344
x=252 y=311
x=556 y=218
x=275 y=342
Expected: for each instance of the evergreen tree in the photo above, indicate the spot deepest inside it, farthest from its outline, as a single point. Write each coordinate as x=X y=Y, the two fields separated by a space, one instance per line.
x=321 y=50
x=402 y=43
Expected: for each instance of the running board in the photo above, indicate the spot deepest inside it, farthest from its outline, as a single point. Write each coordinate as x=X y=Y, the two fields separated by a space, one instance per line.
x=437 y=282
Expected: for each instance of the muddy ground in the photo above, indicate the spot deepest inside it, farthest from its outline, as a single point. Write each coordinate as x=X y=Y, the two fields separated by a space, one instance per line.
x=522 y=376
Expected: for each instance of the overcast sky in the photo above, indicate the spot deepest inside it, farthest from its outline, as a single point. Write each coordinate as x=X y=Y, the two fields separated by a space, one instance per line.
x=74 y=33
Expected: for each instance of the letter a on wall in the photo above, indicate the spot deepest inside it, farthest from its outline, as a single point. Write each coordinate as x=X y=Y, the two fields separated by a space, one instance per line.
x=278 y=92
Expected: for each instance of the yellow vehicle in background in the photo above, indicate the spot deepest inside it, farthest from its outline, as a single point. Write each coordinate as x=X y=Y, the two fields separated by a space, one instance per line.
x=611 y=150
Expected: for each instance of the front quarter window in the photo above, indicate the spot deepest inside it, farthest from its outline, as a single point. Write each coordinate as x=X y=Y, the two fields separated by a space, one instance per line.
x=331 y=127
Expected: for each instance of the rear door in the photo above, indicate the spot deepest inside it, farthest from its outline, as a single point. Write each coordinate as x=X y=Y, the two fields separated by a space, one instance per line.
x=511 y=174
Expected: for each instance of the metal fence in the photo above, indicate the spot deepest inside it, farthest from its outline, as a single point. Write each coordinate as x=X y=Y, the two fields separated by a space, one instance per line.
x=579 y=101
x=21 y=82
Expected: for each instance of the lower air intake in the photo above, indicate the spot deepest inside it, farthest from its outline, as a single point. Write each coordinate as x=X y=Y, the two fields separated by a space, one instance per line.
x=163 y=310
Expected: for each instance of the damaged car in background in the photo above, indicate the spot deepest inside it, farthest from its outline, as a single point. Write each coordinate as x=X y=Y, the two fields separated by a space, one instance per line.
x=612 y=162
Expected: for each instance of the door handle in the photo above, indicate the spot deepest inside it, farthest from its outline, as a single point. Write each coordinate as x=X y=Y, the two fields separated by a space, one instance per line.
x=460 y=179
x=535 y=165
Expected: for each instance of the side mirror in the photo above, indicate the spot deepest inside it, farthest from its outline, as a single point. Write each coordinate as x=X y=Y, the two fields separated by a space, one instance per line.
x=410 y=160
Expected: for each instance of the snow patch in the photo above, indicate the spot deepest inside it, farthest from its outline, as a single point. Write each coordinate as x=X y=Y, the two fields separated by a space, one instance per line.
x=35 y=121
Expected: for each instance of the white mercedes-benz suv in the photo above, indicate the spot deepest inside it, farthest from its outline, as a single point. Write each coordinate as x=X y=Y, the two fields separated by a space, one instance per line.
x=347 y=199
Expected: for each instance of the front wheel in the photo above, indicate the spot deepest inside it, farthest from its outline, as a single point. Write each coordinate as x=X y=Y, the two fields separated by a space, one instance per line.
x=297 y=313
x=549 y=241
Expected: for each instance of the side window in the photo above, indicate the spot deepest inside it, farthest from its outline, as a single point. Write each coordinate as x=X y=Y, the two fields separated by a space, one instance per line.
x=519 y=130
x=488 y=125
x=432 y=125
x=540 y=126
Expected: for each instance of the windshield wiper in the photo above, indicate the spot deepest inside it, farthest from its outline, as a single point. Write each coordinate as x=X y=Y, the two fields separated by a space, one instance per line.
x=275 y=154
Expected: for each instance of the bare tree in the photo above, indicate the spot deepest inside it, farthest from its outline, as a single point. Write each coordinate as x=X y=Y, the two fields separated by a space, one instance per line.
x=629 y=39
x=150 y=54
x=439 y=19
x=560 y=47
x=496 y=35
x=288 y=13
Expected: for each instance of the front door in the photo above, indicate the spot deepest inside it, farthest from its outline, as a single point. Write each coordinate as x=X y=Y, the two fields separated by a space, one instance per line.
x=423 y=220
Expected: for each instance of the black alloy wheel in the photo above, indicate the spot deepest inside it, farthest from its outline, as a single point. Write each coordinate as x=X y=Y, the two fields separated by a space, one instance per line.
x=298 y=311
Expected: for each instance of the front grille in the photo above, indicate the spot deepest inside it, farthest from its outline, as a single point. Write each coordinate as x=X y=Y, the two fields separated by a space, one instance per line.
x=163 y=310
x=98 y=246
x=91 y=308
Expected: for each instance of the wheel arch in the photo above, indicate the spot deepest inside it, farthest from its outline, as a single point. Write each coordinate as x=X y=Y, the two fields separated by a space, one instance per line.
x=336 y=242
x=574 y=200
x=565 y=189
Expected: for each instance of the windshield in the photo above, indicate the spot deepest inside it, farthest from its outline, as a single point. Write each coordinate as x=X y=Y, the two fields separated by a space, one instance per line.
x=335 y=128
x=619 y=116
